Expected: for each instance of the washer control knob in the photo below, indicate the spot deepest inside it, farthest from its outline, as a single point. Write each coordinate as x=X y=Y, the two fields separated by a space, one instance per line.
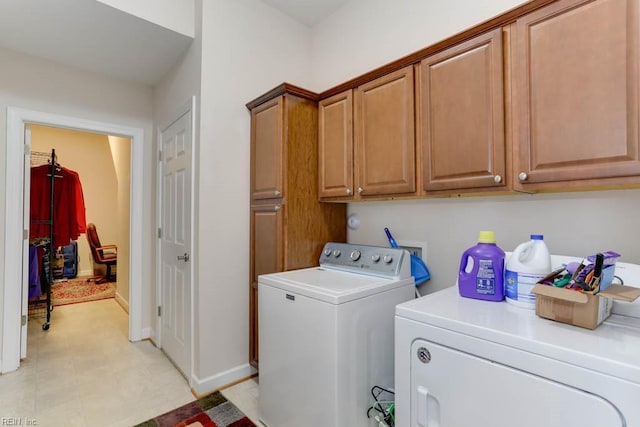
x=375 y=257
x=327 y=252
x=387 y=259
x=337 y=253
x=355 y=255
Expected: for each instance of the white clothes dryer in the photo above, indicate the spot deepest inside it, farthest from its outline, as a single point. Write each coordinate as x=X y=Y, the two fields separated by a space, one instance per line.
x=463 y=362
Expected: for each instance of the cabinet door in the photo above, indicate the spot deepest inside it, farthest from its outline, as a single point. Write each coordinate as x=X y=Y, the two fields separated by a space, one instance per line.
x=266 y=257
x=267 y=149
x=576 y=92
x=462 y=115
x=335 y=145
x=385 y=135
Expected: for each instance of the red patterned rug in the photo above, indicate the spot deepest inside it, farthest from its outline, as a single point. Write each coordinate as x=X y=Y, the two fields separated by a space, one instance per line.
x=72 y=291
x=213 y=410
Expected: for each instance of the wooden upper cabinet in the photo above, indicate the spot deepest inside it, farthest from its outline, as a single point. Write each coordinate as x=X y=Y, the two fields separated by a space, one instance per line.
x=461 y=115
x=267 y=149
x=335 y=145
x=576 y=94
x=385 y=135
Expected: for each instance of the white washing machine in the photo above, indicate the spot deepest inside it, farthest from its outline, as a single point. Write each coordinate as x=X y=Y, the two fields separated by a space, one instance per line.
x=326 y=335
x=462 y=362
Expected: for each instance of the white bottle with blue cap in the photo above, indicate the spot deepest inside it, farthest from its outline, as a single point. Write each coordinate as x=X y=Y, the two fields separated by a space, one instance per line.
x=528 y=263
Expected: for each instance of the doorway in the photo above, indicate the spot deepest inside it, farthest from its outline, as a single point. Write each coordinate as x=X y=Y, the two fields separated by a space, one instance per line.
x=102 y=164
x=13 y=324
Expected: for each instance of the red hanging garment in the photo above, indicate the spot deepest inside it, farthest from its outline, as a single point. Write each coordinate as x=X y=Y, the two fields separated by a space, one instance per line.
x=68 y=205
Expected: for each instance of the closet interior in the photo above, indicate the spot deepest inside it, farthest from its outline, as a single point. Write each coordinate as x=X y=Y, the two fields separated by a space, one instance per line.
x=57 y=219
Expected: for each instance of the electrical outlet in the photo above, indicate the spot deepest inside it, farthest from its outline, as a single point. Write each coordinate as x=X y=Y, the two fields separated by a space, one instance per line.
x=415 y=248
x=412 y=250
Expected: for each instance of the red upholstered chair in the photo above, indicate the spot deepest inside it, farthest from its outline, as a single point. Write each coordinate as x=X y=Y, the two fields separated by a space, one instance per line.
x=102 y=254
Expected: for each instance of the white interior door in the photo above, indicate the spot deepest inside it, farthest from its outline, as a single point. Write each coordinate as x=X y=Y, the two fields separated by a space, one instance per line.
x=25 y=242
x=175 y=242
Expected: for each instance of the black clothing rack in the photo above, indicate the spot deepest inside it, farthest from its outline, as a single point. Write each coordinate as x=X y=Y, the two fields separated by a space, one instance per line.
x=49 y=246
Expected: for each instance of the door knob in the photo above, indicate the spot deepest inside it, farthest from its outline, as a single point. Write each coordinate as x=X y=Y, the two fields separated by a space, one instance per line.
x=523 y=176
x=184 y=257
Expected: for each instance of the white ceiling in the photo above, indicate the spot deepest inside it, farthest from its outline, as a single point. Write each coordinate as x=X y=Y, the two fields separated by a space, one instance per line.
x=308 y=12
x=92 y=36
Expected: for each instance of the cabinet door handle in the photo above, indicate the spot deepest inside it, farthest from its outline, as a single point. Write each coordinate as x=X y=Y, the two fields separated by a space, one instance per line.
x=276 y=208
x=276 y=193
x=497 y=179
x=348 y=191
x=360 y=190
x=523 y=176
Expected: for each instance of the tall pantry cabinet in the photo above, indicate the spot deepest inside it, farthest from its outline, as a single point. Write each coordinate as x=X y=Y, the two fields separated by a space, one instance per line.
x=289 y=226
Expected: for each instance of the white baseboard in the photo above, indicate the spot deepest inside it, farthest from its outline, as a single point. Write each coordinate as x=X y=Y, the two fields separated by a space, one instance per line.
x=145 y=333
x=123 y=302
x=217 y=381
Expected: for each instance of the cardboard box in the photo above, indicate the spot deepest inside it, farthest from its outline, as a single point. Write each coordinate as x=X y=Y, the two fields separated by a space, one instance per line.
x=580 y=308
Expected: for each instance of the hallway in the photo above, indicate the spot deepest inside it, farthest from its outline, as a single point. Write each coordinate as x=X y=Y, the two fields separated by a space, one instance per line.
x=85 y=372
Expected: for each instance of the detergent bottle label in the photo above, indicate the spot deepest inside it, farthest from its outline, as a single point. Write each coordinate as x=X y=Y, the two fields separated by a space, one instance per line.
x=511 y=284
x=519 y=285
x=486 y=278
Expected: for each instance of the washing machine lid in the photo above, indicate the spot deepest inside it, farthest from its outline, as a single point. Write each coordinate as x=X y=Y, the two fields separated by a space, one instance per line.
x=332 y=286
x=613 y=348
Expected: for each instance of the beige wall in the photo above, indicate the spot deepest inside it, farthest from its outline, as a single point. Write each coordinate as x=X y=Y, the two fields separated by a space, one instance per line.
x=577 y=224
x=247 y=49
x=103 y=164
x=121 y=153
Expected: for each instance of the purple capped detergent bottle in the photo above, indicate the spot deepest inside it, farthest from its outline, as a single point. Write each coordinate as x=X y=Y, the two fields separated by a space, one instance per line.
x=481 y=273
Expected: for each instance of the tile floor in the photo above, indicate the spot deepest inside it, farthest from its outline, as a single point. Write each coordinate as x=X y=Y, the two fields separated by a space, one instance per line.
x=85 y=372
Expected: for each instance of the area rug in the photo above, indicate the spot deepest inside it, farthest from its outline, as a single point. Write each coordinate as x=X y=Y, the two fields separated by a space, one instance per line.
x=213 y=410
x=72 y=291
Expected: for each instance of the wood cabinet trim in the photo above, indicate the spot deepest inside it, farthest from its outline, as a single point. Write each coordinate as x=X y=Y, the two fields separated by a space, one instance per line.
x=281 y=90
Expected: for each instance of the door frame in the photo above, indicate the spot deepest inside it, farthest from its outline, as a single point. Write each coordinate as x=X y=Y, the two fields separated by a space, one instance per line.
x=189 y=106
x=17 y=118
